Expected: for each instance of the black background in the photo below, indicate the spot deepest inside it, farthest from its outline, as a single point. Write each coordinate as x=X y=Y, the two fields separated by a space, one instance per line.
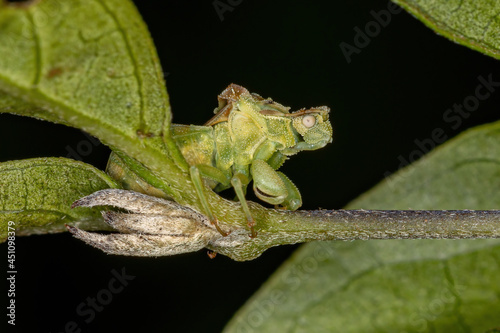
x=393 y=92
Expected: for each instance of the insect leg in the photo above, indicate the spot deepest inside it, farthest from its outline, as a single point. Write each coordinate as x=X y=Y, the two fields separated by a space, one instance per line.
x=293 y=200
x=237 y=182
x=198 y=184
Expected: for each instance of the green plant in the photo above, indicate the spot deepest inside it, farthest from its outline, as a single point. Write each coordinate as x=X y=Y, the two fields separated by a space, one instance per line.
x=48 y=85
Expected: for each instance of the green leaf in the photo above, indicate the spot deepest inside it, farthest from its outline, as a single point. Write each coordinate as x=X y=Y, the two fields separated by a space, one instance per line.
x=397 y=285
x=471 y=23
x=105 y=74
x=91 y=65
x=14 y=105
x=36 y=194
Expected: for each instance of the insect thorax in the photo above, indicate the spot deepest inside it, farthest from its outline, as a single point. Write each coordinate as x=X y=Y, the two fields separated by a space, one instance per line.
x=233 y=142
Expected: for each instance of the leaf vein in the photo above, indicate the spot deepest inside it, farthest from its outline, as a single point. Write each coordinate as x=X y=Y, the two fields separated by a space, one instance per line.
x=128 y=47
x=37 y=49
x=458 y=300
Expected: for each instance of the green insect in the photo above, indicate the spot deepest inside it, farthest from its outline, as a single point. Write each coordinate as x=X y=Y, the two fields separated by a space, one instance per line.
x=249 y=138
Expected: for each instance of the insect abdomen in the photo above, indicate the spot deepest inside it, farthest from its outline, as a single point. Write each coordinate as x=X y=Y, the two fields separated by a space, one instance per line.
x=196 y=143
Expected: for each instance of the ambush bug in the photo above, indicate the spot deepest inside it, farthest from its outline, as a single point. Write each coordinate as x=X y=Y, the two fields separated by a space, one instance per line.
x=249 y=138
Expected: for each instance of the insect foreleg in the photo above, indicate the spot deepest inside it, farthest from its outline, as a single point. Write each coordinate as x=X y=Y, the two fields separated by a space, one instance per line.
x=293 y=200
x=267 y=183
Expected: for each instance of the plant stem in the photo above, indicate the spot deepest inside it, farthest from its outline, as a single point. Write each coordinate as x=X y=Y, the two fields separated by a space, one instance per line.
x=303 y=226
x=413 y=224
x=153 y=226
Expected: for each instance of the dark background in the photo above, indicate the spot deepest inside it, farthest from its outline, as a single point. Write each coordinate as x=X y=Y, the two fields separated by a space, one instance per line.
x=394 y=91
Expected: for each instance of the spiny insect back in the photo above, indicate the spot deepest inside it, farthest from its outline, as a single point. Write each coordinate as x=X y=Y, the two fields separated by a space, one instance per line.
x=249 y=138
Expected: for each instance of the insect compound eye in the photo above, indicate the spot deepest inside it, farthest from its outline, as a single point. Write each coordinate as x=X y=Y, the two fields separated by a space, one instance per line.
x=309 y=121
